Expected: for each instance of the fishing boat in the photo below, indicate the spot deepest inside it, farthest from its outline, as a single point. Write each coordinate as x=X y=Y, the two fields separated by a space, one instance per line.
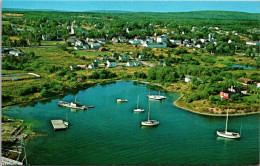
x=121 y=100
x=228 y=134
x=156 y=97
x=73 y=104
x=138 y=109
x=150 y=122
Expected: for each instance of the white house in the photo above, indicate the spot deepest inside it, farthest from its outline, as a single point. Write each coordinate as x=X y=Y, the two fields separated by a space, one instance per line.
x=252 y=43
x=161 y=39
x=258 y=85
x=46 y=37
x=173 y=41
x=198 y=46
x=187 y=78
x=85 y=47
x=115 y=40
x=95 y=46
x=132 y=63
x=155 y=45
x=111 y=63
x=123 y=57
x=141 y=56
x=79 y=43
x=77 y=48
x=93 y=65
x=16 y=53
x=189 y=45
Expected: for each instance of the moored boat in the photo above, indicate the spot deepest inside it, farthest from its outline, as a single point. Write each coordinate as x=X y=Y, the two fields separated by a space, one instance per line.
x=138 y=109
x=73 y=105
x=121 y=100
x=149 y=122
x=228 y=134
x=156 y=97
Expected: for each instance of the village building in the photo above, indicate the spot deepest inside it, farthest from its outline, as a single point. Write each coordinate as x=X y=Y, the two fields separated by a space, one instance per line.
x=77 y=48
x=173 y=41
x=132 y=63
x=94 y=46
x=111 y=63
x=78 y=43
x=85 y=47
x=123 y=57
x=114 y=40
x=16 y=53
x=187 y=78
x=93 y=65
x=252 y=43
x=161 y=39
x=141 y=57
x=46 y=37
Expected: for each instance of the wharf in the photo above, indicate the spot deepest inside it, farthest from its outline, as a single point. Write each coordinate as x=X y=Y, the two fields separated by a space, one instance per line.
x=7 y=161
x=58 y=125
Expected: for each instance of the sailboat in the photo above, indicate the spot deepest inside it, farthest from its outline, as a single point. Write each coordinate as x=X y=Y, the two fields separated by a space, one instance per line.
x=228 y=134
x=66 y=123
x=150 y=122
x=156 y=97
x=138 y=109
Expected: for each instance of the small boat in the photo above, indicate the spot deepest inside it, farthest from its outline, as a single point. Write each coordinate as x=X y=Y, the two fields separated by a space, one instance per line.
x=228 y=134
x=73 y=105
x=156 y=97
x=66 y=123
x=121 y=100
x=150 y=122
x=138 y=109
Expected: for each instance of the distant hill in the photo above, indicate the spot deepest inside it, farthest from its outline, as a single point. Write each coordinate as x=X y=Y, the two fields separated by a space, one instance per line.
x=223 y=15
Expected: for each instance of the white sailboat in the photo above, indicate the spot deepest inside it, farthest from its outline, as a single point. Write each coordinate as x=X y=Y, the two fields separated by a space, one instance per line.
x=156 y=97
x=66 y=123
x=150 y=122
x=228 y=134
x=138 y=109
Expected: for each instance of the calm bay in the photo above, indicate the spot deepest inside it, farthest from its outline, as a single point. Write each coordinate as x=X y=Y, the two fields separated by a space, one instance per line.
x=111 y=132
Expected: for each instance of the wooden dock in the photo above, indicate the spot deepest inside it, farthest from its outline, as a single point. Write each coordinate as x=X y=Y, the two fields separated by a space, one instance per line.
x=58 y=125
x=7 y=161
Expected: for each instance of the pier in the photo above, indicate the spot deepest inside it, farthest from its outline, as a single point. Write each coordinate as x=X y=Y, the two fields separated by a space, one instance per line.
x=58 y=125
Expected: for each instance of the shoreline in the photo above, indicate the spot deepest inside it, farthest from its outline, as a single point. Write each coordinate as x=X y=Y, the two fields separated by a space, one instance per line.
x=206 y=114
x=142 y=82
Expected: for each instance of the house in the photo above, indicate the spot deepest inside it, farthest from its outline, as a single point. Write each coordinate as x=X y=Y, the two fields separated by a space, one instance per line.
x=114 y=40
x=135 y=41
x=123 y=57
x=187 y=78
x=85 y=47
x=93 y=65
x=230 y=41
x=198 y=46
x=94 y=46
x=111 y=63
x=16 y=53
x=189 y=45
x=252 y=43
x=141 y=57
x=100 y=40
x=132 y=63
x=173 y=41
x=46 y=37
x=224 y=95
x=79 y=80
x=162 y=63
x=155 y=45
x=128 y=30
x=78 y=43
x=186 y=41
x=122 y=39
x=98 y=60
x=161 y=39
x=102 y=49
x=77 y=48
x=258 y=85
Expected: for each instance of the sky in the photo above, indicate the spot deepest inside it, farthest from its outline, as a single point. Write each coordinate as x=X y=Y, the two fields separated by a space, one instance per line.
x=252 y=6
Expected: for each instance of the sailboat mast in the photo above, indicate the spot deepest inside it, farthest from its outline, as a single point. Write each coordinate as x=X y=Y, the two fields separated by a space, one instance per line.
x=227 y=121
x=149 y=112
x=76 y=99
x=137 y=101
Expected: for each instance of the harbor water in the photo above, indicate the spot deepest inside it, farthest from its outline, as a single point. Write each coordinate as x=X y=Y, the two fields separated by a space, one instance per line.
x=111 y=132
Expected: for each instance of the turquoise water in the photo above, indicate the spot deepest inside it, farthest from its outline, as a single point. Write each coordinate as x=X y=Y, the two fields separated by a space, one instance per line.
x=111 y=133
x=244 y=67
